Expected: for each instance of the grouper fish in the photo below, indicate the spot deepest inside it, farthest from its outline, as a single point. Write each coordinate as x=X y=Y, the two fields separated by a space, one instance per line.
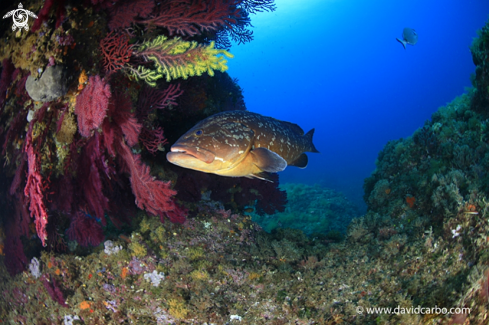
x=242 y=143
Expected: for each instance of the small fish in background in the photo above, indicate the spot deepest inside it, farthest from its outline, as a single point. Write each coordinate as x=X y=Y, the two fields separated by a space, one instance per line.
x=409 y=36
x=249 y=209
x=242 y=144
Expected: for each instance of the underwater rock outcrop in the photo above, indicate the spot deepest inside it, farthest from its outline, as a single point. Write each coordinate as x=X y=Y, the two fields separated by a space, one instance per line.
x=480 y=55
x=52 y=84
x=428 y=206
x=315 y=210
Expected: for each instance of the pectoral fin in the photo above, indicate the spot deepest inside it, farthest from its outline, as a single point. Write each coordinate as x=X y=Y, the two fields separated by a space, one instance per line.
x=300 y=162
x=263 y=176
x=268 y=161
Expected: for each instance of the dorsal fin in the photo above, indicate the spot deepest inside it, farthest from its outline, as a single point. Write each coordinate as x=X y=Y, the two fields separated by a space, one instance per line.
x=294 y=127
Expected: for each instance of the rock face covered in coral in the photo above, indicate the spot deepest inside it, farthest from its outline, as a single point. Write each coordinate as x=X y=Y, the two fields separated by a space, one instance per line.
x=81 y=151
x=480 y=53
x=428 y=198
x=52 y=84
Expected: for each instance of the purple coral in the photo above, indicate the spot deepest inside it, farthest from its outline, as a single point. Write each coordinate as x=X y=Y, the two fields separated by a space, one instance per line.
x=52 y=287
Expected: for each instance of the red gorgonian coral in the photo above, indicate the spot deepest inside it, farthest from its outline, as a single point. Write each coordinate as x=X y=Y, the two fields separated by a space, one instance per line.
x=91 y=105
x=85 y=230
x=116 y=51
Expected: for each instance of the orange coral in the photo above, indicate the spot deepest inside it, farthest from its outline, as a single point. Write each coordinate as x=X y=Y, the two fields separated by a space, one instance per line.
x=388 y=191
x=84 y=305
x=471 y=209
x=82 y=80
x=124 y=273
x=410 y=201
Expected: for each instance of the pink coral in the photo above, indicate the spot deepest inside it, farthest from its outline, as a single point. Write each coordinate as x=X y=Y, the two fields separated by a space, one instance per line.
x=190 y=18
x=85 y=230
x=125 y=12
x=91 y=105
x=43 y=14
x=120 y=111
x=151 y=194
x=35 y=186
x=153 y=140
x=90 y=182
x=150 y=98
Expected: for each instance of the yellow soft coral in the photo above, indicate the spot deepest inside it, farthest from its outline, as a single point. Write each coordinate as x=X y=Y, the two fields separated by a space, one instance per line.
x=174 y=58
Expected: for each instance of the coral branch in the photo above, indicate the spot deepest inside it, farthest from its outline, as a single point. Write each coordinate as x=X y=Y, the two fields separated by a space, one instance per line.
x=43 y=15
x=120 y=109
x=190 y=18
x=151 y=98
x=90 y=182
x=125 y=12
x=152 y=195
x=174 y=58
x=85 y=230
x=91 y=105
x=116 y=51
x=153 y=140
x=35 y=188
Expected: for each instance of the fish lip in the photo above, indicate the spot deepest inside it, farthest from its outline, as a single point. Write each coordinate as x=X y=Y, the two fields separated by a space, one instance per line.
x=197 y=153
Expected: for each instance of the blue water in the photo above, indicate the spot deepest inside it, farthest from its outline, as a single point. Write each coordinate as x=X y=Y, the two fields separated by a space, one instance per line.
x=335 y=65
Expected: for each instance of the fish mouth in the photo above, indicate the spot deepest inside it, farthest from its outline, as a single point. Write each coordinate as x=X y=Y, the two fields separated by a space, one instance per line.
x=185 y=151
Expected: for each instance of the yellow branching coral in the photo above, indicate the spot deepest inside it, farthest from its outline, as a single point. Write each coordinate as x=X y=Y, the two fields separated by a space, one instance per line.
x=175 y=58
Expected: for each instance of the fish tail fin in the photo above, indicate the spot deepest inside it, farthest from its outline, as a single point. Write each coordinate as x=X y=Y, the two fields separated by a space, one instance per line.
x=402 y=42
x=308 y=137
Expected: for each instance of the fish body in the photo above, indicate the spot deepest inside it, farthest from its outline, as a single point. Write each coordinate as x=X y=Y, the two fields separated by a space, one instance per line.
x=409 y=36
x=242 y=143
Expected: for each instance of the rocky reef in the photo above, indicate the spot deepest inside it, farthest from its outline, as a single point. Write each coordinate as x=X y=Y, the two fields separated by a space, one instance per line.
x=315 y=210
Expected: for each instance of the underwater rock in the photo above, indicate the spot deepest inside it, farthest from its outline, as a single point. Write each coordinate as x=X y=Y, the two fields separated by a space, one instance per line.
x=312 y=209
x=52 y=84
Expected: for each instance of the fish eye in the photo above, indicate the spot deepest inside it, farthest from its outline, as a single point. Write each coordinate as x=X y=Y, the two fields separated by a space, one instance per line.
x=198 y=133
